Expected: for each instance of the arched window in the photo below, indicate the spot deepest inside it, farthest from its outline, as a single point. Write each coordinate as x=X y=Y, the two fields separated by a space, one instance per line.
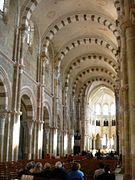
x=113 y=109
x=1 y=5
x=30 y=33
x=98 y=109
x=105 y=123
x=105 y=109
x=97 y=123
x=4 y=10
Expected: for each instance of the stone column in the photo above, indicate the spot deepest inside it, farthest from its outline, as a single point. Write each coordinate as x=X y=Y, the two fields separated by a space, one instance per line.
x=62 y=144
x=70 y=135
x=58 y=142
x=7 y=136
x=82 y=124
x=51 y=141
x=16 y=98
x=15 y=135
x=125 y=112
x=2 y=129
x=77 y=135
x=94 y=142
x=54 y=141
x=117 y=118
x=130 y=42
x=40 y=139
x=34 y=150
x=46 y=135
x=30 y=129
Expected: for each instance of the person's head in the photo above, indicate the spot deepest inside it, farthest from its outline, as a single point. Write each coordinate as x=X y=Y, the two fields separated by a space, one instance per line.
x=38 y=165
x=107 y=168
x=58 y=164
x=101 y=165
x=30 y=165
x=76 y=166
x=47 y=165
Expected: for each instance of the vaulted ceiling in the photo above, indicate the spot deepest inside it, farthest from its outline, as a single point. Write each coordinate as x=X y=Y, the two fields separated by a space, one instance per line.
x=85 y=39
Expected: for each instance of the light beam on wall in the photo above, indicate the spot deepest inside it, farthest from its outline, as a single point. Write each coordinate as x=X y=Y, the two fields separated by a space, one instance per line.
x=65 y=142
x=55 y=140
x=16 y=131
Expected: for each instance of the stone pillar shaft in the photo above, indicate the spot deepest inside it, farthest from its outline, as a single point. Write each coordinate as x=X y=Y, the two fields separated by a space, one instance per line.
x=2 y=128
x=117 y=120
x=125 y=114
x=130 y=42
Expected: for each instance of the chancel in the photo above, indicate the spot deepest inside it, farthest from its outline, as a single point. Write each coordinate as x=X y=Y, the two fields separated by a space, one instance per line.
x=67 y=84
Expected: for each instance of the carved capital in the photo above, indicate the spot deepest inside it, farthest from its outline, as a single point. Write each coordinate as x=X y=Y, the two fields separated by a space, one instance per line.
x=44 y=57
x=124 y=88
x=132 y=15
x=128 y=21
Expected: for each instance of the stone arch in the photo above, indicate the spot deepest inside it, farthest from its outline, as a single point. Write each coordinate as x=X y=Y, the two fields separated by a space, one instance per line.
x=105 y=82
x=76 y=17
x=29 y=7
x=46 y=147
x=86 y=41
x=26 y=127
x=118 y=6
x=59 y=134
x=47 y=109
x=90 y=57
x=5 y=89
x=32 y=100
x=28 y=106
x=92 y=70
x=5 y=107
x=46 y=117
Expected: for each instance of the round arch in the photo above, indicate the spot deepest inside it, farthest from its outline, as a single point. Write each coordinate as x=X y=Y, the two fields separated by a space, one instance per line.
x=6 y=89
x=26 y=139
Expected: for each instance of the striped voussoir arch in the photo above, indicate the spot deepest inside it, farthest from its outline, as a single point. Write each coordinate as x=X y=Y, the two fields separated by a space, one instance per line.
x=27 y=12
x=28 y=105
x=85 y=41
x=92 y=70
x=61 y=23
x=55 y=27
x=117 y=4
x=103 y=80
x=3 y=95
x=91 y=57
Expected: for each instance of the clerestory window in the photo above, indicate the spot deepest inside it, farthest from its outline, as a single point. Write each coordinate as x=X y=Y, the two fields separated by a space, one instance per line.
x=30 y=34
x=98 y=109
x=1 y=5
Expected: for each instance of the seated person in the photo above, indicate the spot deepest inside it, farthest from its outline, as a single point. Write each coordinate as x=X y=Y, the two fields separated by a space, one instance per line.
x=76 y=173
x=59 y=171
x=26 y=170
x=107 y=175
x=37 y=170
x=99 y=171
x=46 y=170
